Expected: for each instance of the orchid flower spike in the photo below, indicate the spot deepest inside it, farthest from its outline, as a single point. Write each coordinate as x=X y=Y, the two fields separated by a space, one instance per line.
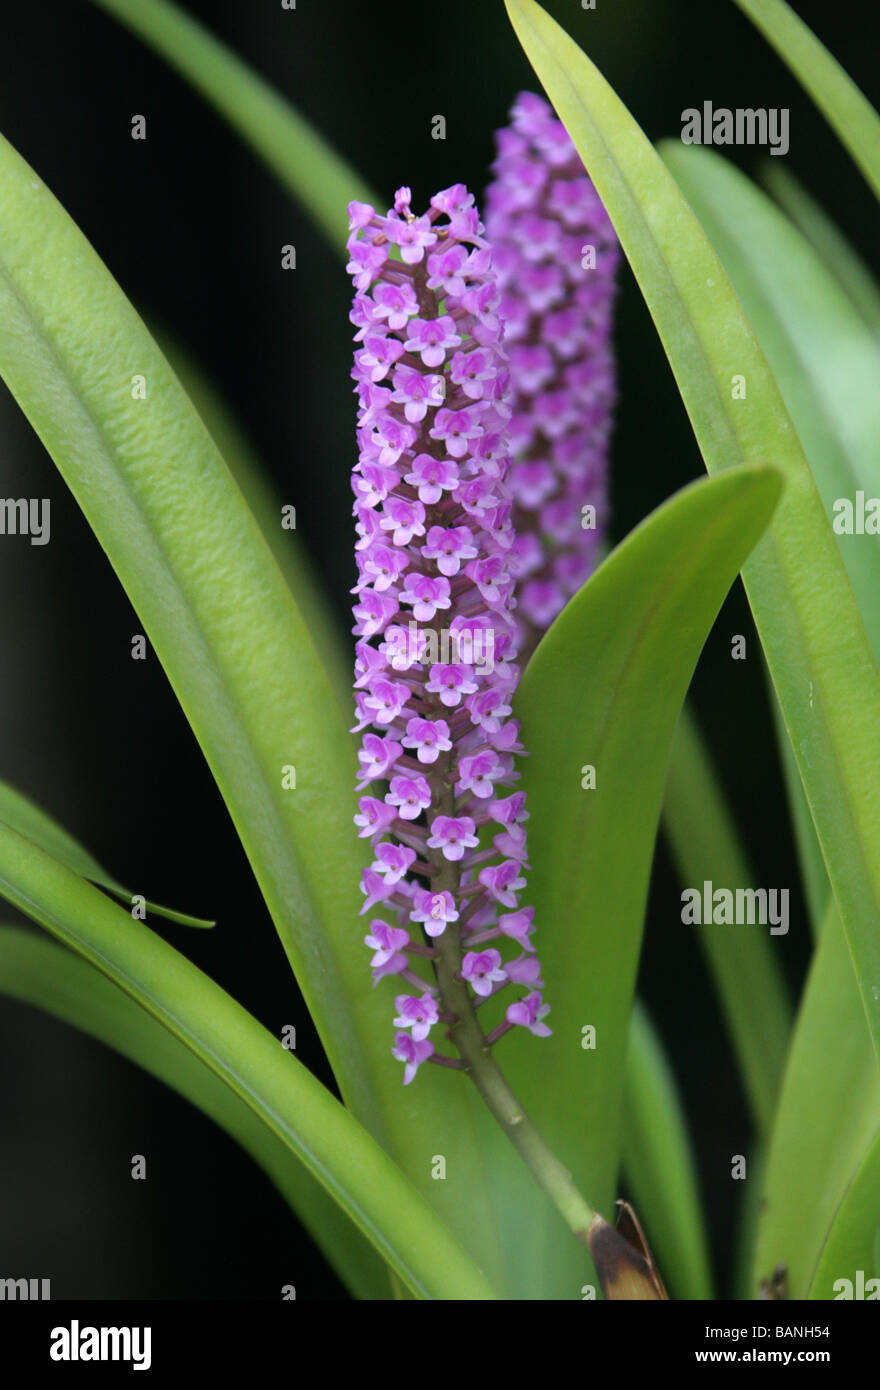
x=434 y=621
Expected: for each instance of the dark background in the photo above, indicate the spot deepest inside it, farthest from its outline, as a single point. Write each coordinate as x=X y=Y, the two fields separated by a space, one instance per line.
x=191 y=225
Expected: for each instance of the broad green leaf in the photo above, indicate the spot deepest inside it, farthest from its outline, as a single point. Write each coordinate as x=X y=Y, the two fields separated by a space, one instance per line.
x=828 y=1115
x=814 y=875
x=824 y=358
x=214 y=605
x=266 y=505
x=827 y=365
x=36 y=971
x=817 y=649
x=835 y=252
x=851 y=1246
x=28 y=819
x=313 y=1126
x=292 y=149
x=239 y=656
x=745 y=969
x=846 y=109
x=604 y=688
x=659 y=1167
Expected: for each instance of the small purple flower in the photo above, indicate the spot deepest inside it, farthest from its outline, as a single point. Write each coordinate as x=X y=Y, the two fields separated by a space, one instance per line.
x=429 y=738
x=473 y=371
x=385 y=941
x=404 y=519
x=489 y=709
x=381 y=566
x=483 y=970
x=456 y=429
x=479 y=772
x=375 y=888
x=434 y=910
x=396 y=303
x=528 y=1013
x=413 y=237
x=415 y=392
x=432 y=477
x=445 y=271
x=450 y=547
x=502 y=882
x=374 y=483
x=453 y=835
x=512 y=842
x=385 y=700
x=390 y=437
x=378 y=355
x=394 y=965
x=413 y=1053
x=525 y=970
x=393 y=861
x=509 y=810
x=376 y=757
x=432 y=339
x=375 y=817
x=365 y=263
x=411 y=795
x=426 y=595
x=451 y=681
x=374 y=612
x=419 y=1015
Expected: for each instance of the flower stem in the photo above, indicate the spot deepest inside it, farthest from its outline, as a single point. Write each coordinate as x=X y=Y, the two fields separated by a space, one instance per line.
x=467 y=1035
x=625 y=1272
x=483 y=1069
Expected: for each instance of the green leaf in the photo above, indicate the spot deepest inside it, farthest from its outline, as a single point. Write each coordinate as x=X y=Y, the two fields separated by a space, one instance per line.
x=266 y=504
x=827 y=1116
x=824 y=358
x=288 y=144
x=826 y=363
x=604 y=688
x=853 y=1241
x=269 y=1079
x=37 y=972
x=814 y=876
x=817 y=649
x=846 y=109
x=745 y=970
x=194 y=564
x=247 y=672
x=834 y=251
x=659 y=1167
x=28 y=819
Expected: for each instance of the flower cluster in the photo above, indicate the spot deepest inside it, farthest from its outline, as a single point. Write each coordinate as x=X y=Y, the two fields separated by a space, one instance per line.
x=555 y=255
x=436 y=638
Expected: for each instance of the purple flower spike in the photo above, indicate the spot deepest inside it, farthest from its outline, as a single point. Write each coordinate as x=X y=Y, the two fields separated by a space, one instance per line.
x=555 y=254
x=437 y=638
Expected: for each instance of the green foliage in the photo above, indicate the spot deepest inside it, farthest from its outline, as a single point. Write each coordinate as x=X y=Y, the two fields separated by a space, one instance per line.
x=777 y=360
x=313 y=1126
x=813 y=636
